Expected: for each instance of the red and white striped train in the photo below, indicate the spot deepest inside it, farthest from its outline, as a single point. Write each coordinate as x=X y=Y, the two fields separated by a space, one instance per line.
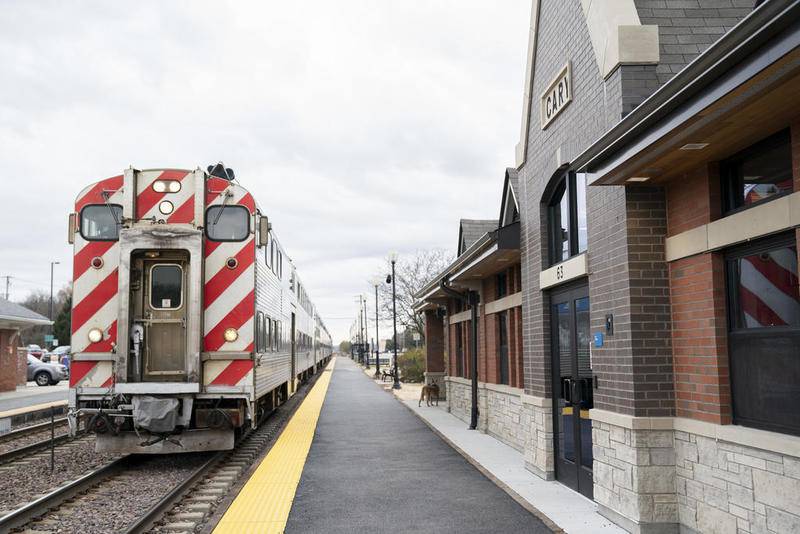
x=189 y=320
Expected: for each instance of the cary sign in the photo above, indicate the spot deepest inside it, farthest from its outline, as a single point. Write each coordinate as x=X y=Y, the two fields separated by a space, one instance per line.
x=557 y=96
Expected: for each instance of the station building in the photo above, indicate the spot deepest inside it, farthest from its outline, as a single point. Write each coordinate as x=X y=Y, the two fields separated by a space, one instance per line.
x=658 y=173
x=13 y=359
x=482 y=287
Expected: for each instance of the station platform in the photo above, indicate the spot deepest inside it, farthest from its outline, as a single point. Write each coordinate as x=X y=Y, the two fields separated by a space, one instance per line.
x=354 y=459
x=32 y=398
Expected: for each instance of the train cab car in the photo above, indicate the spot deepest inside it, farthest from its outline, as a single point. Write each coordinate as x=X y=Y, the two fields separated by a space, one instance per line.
x=189 y=321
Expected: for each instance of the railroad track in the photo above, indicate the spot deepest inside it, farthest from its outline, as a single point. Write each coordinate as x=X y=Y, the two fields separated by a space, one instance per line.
x=193 y=502
x=30 y=445
x=55 y=498
x=32 y=429
x=128 y=494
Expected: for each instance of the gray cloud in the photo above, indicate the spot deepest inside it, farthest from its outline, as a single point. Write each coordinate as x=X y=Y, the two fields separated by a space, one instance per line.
x=361 y=127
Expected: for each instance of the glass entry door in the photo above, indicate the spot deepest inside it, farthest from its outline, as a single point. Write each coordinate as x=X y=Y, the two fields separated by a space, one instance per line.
x=572 y=388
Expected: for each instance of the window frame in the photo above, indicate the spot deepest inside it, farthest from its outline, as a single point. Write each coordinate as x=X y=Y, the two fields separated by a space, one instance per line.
x=565 y=181
x=80 y=221
x=150 y=286
x=236 y=207
x=785 y=239
x=501 y=284
x=734 y=332
x=729 y=194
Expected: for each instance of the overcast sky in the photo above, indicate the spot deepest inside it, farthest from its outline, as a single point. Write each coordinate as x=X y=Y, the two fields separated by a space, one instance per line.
x=360 y=126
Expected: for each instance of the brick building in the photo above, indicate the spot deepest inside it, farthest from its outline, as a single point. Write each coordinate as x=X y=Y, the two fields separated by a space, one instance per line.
x=13 y=366
x=482 y=286
x=658 y=170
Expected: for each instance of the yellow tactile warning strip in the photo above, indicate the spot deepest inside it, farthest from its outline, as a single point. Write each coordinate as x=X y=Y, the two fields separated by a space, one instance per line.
x=264 y=503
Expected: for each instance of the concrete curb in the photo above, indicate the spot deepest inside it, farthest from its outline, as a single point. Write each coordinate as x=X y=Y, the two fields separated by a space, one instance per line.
x=485 y=472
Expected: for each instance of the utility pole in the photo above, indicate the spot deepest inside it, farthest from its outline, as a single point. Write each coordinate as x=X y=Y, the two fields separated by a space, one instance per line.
x=52 y=263
x=8 y=285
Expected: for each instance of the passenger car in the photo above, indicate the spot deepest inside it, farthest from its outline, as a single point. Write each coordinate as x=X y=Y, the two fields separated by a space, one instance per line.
x=35 y=351
x=45 y=374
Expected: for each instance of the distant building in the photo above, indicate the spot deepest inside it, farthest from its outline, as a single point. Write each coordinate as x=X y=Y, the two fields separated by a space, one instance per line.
x=14 y=318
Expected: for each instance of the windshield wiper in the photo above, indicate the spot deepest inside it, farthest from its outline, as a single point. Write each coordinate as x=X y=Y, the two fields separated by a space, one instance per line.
x=106 y=196
x=228 y=194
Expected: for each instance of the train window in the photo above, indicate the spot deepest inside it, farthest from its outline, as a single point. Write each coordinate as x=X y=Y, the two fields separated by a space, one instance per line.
x=280 y=264
x=101 y=222
x=166 y=286
x=259 y=332
x=227 y=223
x=270 y=334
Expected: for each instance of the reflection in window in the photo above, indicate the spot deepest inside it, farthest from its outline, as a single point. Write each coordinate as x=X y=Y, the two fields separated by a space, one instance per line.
x=757 y=173
x=580 y=205
x=567 y=218
x=766 y=287
x=165 y=287
x=764 y=318
x=100 y=222
x=227 y=223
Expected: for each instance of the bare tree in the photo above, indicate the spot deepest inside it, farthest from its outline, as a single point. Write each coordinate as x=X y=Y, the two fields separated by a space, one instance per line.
x=412 y=272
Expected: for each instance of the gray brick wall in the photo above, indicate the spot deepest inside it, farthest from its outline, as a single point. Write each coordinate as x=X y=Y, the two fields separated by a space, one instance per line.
x=626 y=229
x=596 y=106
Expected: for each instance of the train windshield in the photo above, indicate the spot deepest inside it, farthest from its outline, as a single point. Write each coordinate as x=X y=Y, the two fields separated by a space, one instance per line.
x=100 y=222
x=227 y=223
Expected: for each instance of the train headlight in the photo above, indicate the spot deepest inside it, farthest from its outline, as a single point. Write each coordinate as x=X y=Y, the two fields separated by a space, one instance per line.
x=231 y=335
x=166 y=207
x=95 y=335
x=166 y=186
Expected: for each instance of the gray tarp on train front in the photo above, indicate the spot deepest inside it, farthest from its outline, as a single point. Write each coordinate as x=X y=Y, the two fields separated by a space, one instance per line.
x=155 y=414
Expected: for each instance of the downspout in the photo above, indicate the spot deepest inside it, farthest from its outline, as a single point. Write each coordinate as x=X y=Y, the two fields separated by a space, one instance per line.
x=470 y=298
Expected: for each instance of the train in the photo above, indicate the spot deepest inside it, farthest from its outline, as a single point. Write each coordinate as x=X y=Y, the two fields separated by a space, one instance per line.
x=190 y=322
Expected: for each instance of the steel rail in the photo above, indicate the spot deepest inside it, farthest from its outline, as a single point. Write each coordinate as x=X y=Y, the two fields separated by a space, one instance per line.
x=25 y=450
x=55 y=498
x=32 y=429
x=146 y=522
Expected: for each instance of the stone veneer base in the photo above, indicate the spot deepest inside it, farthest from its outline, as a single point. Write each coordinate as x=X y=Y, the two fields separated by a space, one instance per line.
x=650 y=473
x=521 y=421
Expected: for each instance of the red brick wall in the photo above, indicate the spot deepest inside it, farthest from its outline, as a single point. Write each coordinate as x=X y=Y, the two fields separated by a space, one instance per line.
x=8 y=360
x=700 y=338
x=434 y=342
x=693 y=200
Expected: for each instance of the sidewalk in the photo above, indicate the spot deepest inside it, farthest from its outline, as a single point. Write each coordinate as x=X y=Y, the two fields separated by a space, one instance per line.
x=505 y=466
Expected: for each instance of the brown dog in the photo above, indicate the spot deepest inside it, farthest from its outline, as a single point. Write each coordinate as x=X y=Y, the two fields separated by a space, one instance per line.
x=429 y=393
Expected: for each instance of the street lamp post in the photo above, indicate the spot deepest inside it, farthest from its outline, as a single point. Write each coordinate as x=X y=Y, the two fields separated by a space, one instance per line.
x=390 y=278
x=366 y=331
x=375 y=282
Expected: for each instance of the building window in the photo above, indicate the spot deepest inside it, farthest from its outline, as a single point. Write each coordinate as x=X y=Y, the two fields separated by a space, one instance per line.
x=502 y=284
x=758 y=173
x=567 y=217
x=502 y=346
x=764 y=338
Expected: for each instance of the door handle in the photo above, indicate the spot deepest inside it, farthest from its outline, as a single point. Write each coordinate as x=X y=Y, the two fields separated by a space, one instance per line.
x=566 y=389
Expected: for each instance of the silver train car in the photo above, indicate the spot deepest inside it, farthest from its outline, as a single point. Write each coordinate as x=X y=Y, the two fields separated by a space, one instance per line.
x=189 y=320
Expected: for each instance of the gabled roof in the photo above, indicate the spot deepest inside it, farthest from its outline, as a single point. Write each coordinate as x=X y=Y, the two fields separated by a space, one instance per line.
x=17 y=315
x=470 y=230
x=509 y=205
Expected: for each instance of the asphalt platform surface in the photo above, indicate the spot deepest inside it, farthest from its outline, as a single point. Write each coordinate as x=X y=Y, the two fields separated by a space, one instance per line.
x=375 y=467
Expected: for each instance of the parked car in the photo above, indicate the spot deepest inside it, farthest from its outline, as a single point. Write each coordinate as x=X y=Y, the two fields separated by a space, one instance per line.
x=57 y=355
x=45 y=374
x=35 y=351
